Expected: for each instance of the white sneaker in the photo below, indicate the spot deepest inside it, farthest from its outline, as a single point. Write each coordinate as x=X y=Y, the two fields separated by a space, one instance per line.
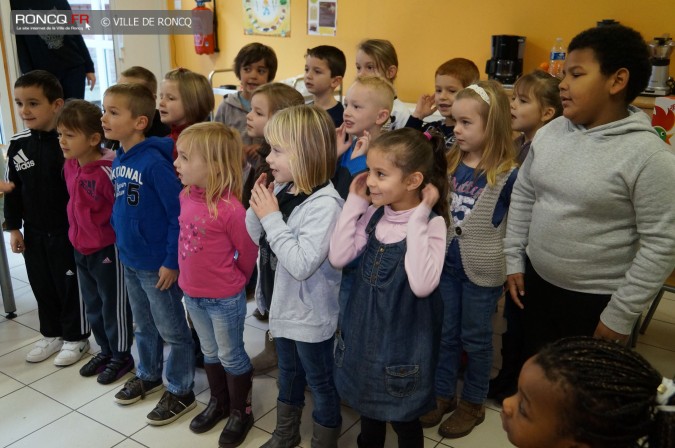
x=44 y=348
x=71 y=352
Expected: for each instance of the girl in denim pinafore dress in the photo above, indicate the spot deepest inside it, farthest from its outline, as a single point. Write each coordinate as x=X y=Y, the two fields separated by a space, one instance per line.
x=387 y=345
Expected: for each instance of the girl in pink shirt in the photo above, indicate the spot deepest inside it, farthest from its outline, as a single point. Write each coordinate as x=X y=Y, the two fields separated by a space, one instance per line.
x=87 y=172
x=387 y=345
x=216 y=257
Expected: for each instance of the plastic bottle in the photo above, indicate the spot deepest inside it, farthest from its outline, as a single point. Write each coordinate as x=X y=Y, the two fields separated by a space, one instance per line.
x=557 y=60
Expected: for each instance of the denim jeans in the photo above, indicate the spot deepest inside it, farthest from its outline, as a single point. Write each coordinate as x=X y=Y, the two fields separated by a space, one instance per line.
x=159 y=316
x=220 y=326
x=303 y=363
x=467 y=325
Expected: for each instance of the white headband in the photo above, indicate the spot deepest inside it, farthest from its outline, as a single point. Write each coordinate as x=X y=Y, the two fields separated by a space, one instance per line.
x=480 y=91
x=664 y=392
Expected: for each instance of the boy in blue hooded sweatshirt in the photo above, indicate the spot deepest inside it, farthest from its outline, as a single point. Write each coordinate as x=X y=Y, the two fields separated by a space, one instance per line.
x=145 y=219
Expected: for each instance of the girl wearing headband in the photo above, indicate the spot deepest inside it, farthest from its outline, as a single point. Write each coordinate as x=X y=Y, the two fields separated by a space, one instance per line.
x=482 y=171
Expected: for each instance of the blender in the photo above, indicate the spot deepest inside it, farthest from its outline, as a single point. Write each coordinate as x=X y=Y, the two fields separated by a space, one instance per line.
x=660 y=49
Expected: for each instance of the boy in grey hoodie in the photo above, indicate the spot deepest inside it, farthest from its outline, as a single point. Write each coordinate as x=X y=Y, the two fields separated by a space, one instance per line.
x=591 y=230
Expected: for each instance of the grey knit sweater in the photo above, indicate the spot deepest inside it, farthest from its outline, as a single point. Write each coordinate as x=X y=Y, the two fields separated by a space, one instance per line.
x=480 y=242
x=594 y=209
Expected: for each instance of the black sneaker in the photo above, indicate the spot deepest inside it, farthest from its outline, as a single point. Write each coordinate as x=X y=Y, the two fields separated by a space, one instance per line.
x=95 y=365
x=115 y=370
x=136 y=389
x=170 y=407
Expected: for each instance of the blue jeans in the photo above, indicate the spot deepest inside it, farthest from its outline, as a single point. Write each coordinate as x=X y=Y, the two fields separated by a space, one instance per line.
x=220 y=326
x=301 y=364
x=467 y=325
x=159 y=315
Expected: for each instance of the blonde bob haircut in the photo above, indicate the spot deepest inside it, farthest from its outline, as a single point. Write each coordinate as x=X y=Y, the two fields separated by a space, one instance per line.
x=499 y=151
x=195 y=92
x=220 y=146
x=308 y=134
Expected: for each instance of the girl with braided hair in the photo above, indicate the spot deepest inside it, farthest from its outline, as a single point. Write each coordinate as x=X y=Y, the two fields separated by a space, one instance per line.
x=586 y=392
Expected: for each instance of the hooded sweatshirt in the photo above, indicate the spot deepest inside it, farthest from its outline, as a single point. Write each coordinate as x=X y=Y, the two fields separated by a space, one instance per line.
x=594 y=210
x=305 y=298
x=90 y=206
x=145 y=212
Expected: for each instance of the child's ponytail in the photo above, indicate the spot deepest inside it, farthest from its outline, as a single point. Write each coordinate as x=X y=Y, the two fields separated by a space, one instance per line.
x=438 y=176
x=413 y=151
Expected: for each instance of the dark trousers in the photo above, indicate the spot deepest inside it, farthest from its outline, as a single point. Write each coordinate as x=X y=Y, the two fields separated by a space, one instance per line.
x=52 y=274
x=552 y=313
x=373 y=433
x=104 y=292
x=73 y=82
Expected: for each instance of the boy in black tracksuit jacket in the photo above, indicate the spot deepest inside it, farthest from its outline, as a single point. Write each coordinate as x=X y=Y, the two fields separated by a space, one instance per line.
x=38 y=202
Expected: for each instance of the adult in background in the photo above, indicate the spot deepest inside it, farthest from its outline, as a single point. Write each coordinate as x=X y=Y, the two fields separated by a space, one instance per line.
x=65 y=56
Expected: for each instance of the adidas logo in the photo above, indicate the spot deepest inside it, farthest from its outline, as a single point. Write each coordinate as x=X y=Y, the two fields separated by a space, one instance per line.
x=21 y=162
x=69 y=272
x=106 y=260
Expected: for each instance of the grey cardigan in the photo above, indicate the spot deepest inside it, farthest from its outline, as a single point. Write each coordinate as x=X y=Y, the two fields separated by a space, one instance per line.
x=305 y=298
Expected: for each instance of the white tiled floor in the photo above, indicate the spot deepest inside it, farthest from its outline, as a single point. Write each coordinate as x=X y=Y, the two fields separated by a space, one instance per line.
x=44 y=405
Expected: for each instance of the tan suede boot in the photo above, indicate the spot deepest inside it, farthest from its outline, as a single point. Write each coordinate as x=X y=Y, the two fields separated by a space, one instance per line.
x=267 y=360
x=463 y=420
x=434 y=417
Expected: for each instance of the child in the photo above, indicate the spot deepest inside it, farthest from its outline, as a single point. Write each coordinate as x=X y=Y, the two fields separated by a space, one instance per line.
x=267 y=100
x=254 y=65
x=591 y=233
x=535 y=102
x=368 y=103
x=482 y=171
x=216 y=259
x=377 y=57
x=38 y=202
x=143 y=76
x=87 y=173
x=293 y=223
x=451 y=77
x=388 y=342
x=185 y=98
x=145 y=219
x=581 y=391
x=324 y=69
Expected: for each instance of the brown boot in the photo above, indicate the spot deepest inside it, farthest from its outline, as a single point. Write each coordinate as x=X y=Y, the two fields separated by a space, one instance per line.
x=463 y=420
x=219 y=403
x=434 y=417
x=265 y=361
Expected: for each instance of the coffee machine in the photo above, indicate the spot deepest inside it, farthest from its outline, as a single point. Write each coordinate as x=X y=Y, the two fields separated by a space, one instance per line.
x=660 y=49
x=506 y=64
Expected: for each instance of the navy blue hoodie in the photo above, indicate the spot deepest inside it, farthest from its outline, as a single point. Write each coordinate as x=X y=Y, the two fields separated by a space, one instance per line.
x=146 y=208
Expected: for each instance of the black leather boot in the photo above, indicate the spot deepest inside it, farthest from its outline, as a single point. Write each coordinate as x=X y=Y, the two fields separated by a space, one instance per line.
x=219 y=403
x=241 y=416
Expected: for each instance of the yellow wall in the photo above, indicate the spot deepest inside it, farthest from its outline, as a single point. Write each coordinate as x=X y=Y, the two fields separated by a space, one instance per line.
x=428 y=32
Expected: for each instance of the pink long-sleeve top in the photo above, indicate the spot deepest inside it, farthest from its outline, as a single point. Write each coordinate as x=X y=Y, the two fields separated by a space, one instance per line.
x=425 y=240
x=207 y=247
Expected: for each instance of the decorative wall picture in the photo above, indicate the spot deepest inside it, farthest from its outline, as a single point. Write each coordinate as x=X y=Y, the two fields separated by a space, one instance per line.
x=267 y=17
x=322 y=17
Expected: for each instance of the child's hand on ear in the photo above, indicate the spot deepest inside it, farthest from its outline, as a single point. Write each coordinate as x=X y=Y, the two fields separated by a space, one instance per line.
x=361 y=147
x=359 y=186
x=263 y=202
x=343 y=140
x=430 y=195
x=425 y=106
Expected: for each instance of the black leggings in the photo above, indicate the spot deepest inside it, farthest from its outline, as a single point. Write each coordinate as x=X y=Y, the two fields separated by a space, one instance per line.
x=373 y=433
